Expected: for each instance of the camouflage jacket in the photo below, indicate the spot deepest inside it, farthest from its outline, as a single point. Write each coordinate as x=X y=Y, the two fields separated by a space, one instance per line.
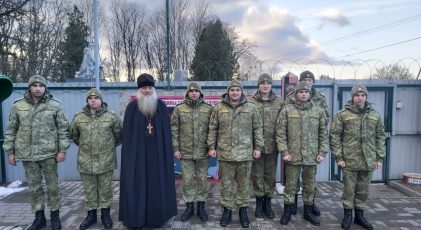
x=234 y=132
x=357 y=137
x=97 y=138
x=268 y=111
x=317 y=98
x=301 y=131
x=36 y=132
x=189 y=127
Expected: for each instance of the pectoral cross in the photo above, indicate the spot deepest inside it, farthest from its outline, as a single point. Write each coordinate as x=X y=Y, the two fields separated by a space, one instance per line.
x=149 y=128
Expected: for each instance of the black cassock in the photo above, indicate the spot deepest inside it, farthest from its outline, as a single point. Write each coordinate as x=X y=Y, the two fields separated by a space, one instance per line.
x=147 y=187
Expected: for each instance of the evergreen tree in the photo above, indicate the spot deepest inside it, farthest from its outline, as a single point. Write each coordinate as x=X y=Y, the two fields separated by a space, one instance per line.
x=214 y=55
x=75 y=41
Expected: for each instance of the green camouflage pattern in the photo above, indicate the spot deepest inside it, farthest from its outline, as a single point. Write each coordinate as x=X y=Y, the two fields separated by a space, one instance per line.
x=292 y=175
x=357 y=137
x=98 y=190
x=189 y=127
x=317 y=98
x=97 y=138
x=34 y=171
x=235 y=173
x=195 y=181
x=301 y=131
x=264 y=175
x=36 y=132
x=356 y=184
x=234 y=132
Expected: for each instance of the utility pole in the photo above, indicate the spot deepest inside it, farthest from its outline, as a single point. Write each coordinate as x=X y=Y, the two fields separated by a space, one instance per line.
x=168 y=44
x=96 y=43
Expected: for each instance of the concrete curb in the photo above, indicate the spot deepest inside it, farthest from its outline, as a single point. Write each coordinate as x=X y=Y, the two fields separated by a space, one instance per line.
x=404 y=189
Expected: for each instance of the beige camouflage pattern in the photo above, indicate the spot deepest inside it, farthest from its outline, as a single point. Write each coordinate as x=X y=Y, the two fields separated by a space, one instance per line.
x=317 y=98
x=232 y=172
x=98 y=189
x=292 y=175
x=264 y=175
x=355 y=192
x=195 y=181
x=36 y=132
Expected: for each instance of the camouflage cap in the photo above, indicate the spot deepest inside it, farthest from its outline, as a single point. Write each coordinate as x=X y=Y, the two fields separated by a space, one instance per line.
x=37 y=79
x=194 y=86
x=302 y=86
x=307 y=74
x=264 y=77
x=359 y=89
x=235 y=83
x=94 y=92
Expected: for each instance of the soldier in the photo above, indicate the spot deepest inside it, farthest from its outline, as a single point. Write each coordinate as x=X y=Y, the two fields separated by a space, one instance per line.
x=301 y=135
x=263 y=169
x=318 y=99
x=235 y=137
x=189 y=125
x=96 y=130
x=357 y=141
x=37 y=134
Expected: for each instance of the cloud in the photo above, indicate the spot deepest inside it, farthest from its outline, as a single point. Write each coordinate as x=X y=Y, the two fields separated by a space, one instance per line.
x=333 y=16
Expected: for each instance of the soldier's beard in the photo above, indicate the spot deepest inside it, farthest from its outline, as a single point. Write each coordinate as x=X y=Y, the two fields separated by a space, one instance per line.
x=147 y=104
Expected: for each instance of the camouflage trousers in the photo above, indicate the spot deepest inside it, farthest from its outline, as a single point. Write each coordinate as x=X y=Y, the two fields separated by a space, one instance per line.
x=355 y=192
x=264 y=175
x=238 y=172
x=98 y=189
x=195 y=181
x=292 y=175
x=34 y=171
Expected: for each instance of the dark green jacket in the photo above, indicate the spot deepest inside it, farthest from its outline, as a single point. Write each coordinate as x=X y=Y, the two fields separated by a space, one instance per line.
x=317 y=98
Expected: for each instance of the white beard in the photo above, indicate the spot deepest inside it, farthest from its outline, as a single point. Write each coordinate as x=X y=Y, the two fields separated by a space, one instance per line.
x=147 y=104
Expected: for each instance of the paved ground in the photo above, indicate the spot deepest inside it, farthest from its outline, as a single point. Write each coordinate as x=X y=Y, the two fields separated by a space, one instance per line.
x=387 y=208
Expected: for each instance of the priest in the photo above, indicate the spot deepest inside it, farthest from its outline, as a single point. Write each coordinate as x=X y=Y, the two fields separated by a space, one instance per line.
x=147 y=187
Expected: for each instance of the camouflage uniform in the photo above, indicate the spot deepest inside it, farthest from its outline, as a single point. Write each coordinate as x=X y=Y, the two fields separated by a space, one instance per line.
x=97 y=137
x=189 y=126
x=317 y=98
x=357 y=137
x=234 y=132
x=35 y=134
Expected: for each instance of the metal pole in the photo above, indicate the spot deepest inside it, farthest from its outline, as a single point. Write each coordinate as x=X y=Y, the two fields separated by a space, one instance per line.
x=168 y=44
x=96 y=43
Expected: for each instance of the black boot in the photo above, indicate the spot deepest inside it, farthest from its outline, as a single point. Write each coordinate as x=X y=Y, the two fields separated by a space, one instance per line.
x=314 y=209
x=244 y=219
x=189 y=212
x=347 y=220
x=55 y=220
x=106 y=218
x=89 y=220
x=226 y=217
x=314 y=220
x=39 y=221
x=258 y=213
x=286 y=216
x=201 y=212
x=267 y=207
x=360 y=219
x=294 y=206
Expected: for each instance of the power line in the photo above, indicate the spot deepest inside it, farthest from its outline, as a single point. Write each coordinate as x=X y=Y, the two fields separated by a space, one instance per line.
x=397 y=43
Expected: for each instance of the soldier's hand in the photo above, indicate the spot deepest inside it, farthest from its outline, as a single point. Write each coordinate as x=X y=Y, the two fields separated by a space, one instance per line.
x=256 y=154
x=378 y=164
x=287 y=158
x=212 y=153
x=61 y=156
x=319 y=158
x=177 y=154
x=341 y=164
x=11 y=159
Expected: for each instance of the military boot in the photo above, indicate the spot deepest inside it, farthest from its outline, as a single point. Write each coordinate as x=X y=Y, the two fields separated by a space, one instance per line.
x=226 y=217
x=244 y=219
x=106 y=218
x=314 y=209
x=314 y=220
x=360 y=219
x=267 y=207
x=295 y=205
x=39 y=221
x=201 y=212
x=189 y=212
x=89 y=220
x=55 y=220
x=347 y=220
x=258 y=213
x=286 y=216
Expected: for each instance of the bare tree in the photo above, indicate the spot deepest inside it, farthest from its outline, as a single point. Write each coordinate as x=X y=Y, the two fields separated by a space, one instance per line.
x=393 y=71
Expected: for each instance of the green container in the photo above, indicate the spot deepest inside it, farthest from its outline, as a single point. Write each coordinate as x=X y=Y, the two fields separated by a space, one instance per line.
x=6 y=87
